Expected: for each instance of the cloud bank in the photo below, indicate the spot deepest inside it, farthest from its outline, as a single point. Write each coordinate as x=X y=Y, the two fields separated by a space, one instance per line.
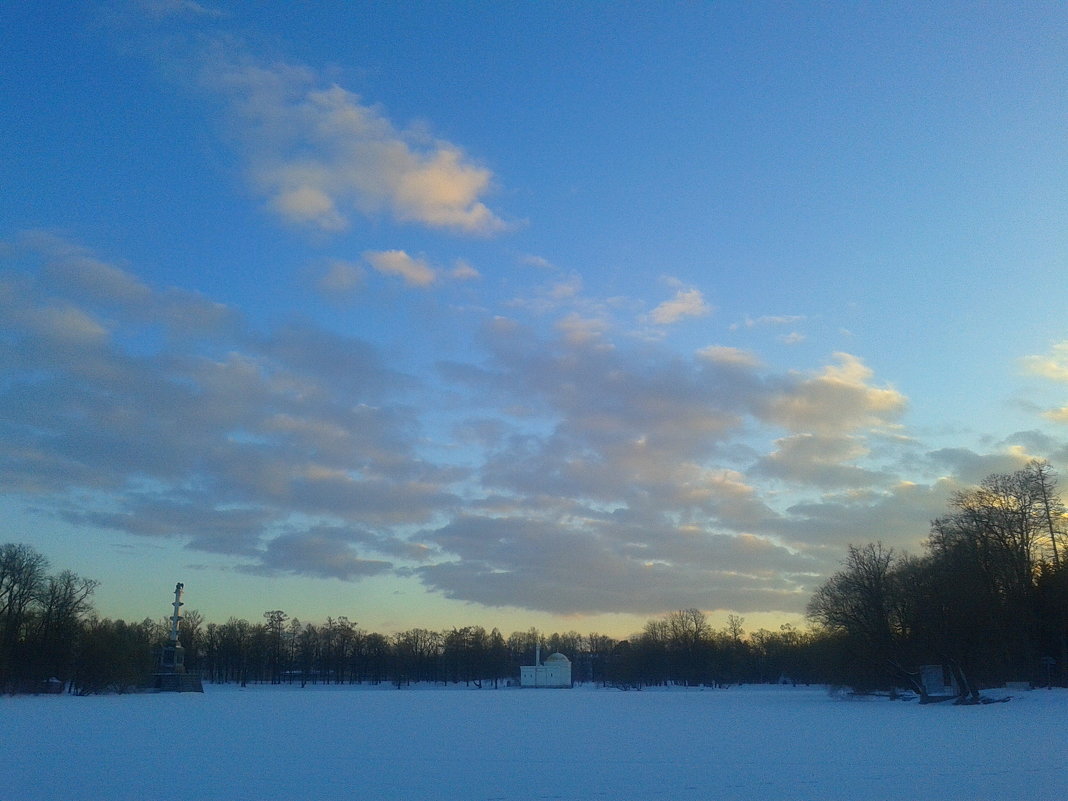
x=587 y=473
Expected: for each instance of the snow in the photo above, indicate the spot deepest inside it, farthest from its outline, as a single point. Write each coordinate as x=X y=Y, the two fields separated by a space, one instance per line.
x=262 y=743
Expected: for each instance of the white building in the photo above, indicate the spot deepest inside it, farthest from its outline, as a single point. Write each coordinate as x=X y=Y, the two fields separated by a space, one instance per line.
x=556 y=672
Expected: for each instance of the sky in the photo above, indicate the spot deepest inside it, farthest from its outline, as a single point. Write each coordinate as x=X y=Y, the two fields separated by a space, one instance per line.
x=520 y=314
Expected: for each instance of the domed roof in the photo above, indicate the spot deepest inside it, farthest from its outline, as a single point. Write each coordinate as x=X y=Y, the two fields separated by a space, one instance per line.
x=557 y=657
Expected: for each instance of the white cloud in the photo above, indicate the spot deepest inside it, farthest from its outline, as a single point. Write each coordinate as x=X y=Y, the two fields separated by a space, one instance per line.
x=566 y=290
x=64 y=324
x=1057 y=415
x=110 y=289
x=724 y=355
x=971 y=467
x=320 y=552
x=309 y=204
x=1053 y=365
x=768 y=320
x=180 y=7
x=415 y=272
x=319 y=154
x=686 y=303
x=531 y=260
x=340 y=277
x=839 y=399
x=75 y=265
x=579 y=330
x=561 y=294
x=218 y=438
x=463 y=270
x=821 y=461
x=899 y=516
x=588 y=567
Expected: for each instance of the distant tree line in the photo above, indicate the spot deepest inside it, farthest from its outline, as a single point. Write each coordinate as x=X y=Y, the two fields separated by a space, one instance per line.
x=987 y=599
x=679 y=649
x=50 y=636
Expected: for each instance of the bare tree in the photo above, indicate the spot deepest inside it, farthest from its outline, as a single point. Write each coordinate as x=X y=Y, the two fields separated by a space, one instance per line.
x=860 y=598
x=63 y=602
x=690 y=636
x=863 y=602
x=22 y=581
x=1051 y=510
x=275 y=643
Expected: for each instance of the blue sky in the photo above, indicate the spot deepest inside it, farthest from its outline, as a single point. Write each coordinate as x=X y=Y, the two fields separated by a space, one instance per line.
x=520 y=314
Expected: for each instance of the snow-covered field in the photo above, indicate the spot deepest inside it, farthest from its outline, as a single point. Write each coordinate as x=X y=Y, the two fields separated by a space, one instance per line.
x=466 y=745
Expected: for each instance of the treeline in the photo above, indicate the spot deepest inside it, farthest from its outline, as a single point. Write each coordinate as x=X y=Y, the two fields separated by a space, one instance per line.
x=50 y=638
x=987 y=598
x=681 y=648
